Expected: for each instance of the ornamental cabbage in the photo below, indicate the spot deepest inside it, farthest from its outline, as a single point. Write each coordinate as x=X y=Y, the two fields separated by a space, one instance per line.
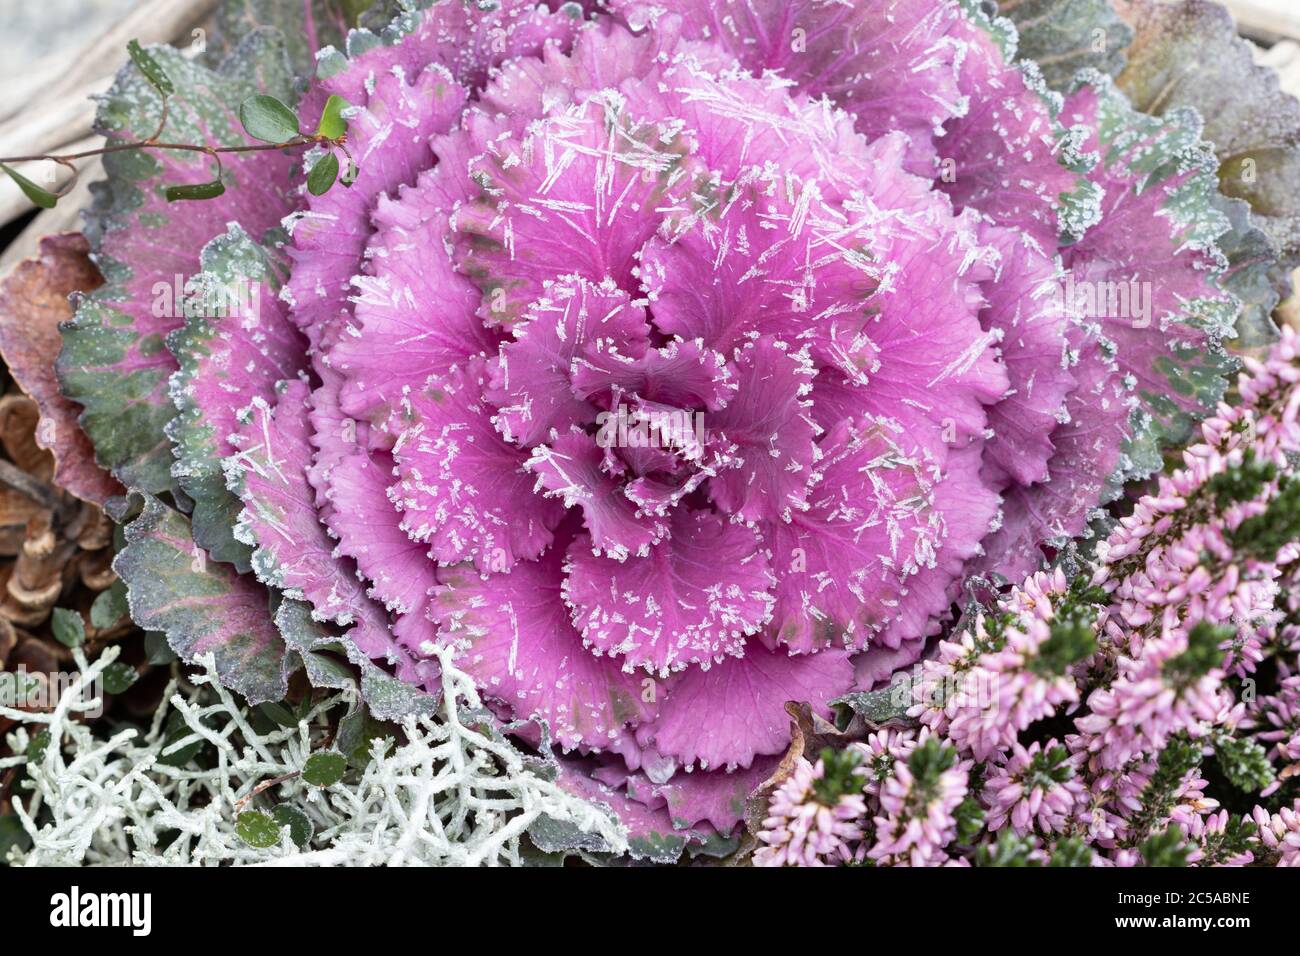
x=668 y=361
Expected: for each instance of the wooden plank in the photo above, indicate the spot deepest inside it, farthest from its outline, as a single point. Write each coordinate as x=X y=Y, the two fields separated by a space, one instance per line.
x=60 y=114
x=1268 y=21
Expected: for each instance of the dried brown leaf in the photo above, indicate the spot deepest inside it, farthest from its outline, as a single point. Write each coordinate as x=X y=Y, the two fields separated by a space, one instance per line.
x=33 y=302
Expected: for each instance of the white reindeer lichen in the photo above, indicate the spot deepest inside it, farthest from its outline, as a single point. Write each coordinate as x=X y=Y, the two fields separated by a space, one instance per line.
x=450 y=794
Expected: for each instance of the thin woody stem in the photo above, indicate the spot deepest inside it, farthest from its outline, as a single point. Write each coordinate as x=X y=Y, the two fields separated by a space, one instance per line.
x=65 y=158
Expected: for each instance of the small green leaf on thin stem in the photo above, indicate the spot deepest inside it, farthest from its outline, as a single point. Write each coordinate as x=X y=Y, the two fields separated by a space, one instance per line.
x=41 y=197
x=257 y=829
x=323 y=174
x=152 y=71
x=332 y=125
x=266 y=118
x=324 y=768
x=197 y=191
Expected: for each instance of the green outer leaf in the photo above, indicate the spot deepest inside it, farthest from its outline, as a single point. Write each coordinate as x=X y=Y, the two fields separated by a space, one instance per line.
x=1065 y=36
x=1188 y=54
x=564 y=837
x=326 y=657
x=323 y=174
x=300 y=23
x=332 y=125
x=68 y=627
x=324 y=768
x=151 y=69
x=1172 y=146
x=1252 y=275
x=104 y=365
x=266 y=118
x=201 y=605
x=313 y=642
x=41 y=197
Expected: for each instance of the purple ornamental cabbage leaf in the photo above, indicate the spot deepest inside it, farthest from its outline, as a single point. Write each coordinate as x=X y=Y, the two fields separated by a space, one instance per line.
x=664 y=376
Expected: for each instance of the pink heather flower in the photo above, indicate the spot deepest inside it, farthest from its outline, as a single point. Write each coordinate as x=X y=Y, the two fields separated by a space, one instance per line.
x=1277 y=719
x=1170 y=568
x=1269 y=386
x=1113 y=799
x=1188 y=570
x=917 y=803
x=1279 y=833
x=1171 y=574
x=1204 y=832
x=801 y=829
x=881 y=751
x=984 y=687
x=1033 y=787
x=1146 y=703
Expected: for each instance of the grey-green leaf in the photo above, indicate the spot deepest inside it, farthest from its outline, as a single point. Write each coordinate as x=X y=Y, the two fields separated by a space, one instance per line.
x=110 y=607
x=203 y=606
x=279 y=713
x=156 y=649
x=118 y=677
x=68 y=627
x=37 y=746
x=877 y=706
x=266 y=118
x=178 y=730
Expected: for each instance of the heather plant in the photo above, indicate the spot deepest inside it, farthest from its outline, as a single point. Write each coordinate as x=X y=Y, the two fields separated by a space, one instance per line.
x=1149 y=660
x=661 y=364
